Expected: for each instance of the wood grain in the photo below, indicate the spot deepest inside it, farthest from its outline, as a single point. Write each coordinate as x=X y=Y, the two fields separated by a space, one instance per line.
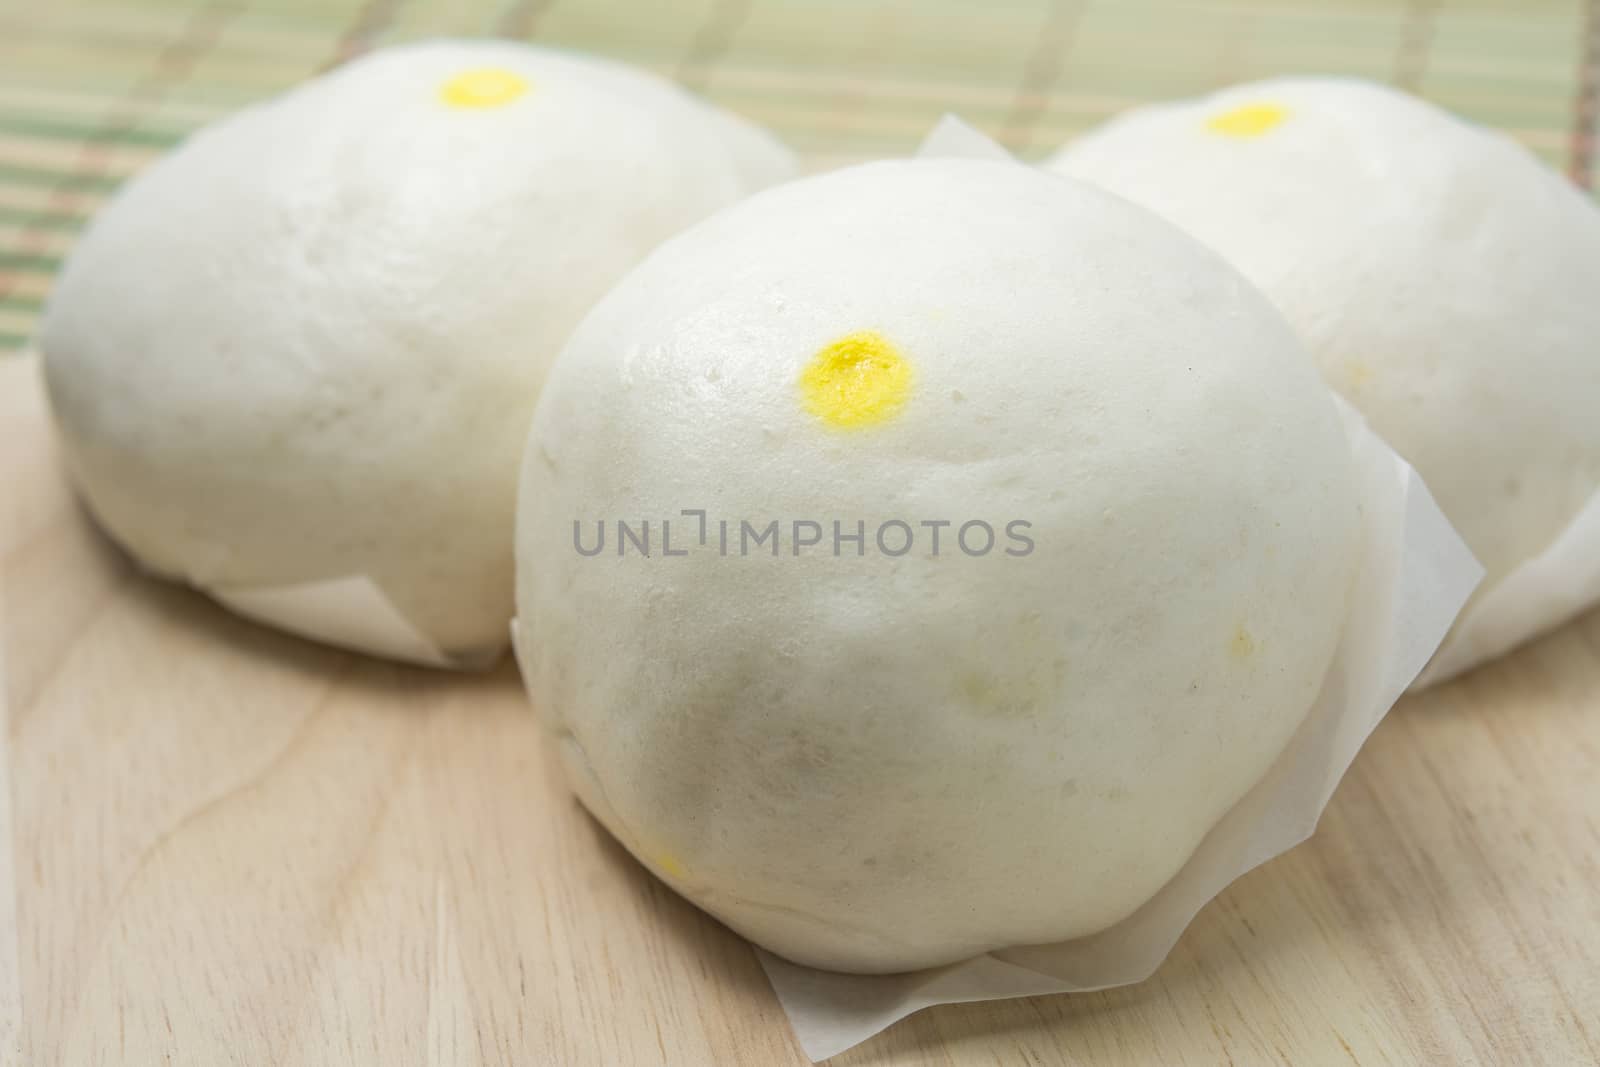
x=227 y=846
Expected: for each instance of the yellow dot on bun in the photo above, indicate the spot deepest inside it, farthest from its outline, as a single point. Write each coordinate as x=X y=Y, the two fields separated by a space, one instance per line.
x=1248 y=120
x=483 y=87
x=859 y=380
x=669 y=865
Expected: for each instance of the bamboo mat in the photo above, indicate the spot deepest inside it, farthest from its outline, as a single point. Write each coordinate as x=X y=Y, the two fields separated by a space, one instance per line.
x=91 y=91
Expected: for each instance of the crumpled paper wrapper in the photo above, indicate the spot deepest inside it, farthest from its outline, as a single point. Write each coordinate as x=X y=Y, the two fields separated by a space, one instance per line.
x=1415 y=577
x=350 y=612
x=1540 y=594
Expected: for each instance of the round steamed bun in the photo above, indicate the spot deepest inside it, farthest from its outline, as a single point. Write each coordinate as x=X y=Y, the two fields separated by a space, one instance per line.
x=887 y=761
x=1444 y=279
x=306 y=344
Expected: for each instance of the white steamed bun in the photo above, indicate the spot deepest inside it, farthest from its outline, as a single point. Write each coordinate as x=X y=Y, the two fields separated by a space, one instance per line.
x=1444 y=279
x=306 y=344
x=886 y=761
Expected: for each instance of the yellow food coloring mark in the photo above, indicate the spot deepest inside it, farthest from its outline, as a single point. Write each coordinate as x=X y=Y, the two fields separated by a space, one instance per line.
x=669 y=865
x=977 y=688
x=859 y=380
x=483 y=87
x=1358 y=374
x=1248 y=120
x=1242 y=646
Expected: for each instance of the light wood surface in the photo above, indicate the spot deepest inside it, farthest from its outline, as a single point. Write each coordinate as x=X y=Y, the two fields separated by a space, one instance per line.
x=232 y=847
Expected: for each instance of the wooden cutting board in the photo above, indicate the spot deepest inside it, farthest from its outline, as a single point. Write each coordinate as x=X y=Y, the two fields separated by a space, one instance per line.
x=228 y=846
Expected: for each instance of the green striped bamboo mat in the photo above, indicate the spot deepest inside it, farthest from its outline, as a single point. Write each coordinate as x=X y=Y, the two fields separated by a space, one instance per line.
x=91 y=91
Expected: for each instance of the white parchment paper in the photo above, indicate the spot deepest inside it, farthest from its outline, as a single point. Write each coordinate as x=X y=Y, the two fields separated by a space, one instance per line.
x=953 y=138
x=1540 y=594
x=350 y=612
x=1416 y=574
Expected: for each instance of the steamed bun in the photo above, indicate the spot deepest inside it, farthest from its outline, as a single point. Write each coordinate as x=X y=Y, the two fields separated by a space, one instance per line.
x=306 y=344
x=869 y=741
x=1443 y=278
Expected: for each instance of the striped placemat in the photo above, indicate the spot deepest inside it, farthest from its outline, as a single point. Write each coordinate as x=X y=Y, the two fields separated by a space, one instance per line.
x=89 y=92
